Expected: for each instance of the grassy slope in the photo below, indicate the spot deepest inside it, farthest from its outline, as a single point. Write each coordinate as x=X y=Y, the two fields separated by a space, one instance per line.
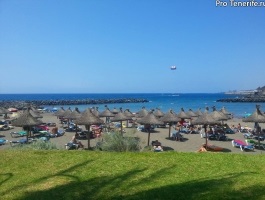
x=98 y=175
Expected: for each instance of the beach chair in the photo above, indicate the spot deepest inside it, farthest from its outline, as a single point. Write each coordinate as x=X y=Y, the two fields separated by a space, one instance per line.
x=21 y=141
x=18 y=134
x=211 y=147
x=3 y=141
x=248 y=135
x=247 y=148
x=242 y=145
x=255 y=144
x=71 y=146
x=234 y=144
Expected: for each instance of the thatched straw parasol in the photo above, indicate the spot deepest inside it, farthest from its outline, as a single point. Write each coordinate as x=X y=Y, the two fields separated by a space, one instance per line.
x=170 y=117
x=95 y=111
x=224 y=111
x=129 y=114
x=142 y=113
x=4 y=111
x=59 y=113
x=26 y=119
x=115 y=111
x=205 y=119
x=219 y=116
x=158 y=113
x=198 y=112
x=183 y=115
x=106 y=113
x=148 y=120
x=192 y=114
x=120 y=117
x=34 y=113
x=72 y=114
x=66 y=114
x=256 y=117
x=88 y=118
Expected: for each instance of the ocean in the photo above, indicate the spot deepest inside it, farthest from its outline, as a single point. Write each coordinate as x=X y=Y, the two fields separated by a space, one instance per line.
x=164 y=101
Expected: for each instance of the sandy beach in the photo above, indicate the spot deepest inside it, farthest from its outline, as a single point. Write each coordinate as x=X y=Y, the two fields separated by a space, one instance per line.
x=191 y=143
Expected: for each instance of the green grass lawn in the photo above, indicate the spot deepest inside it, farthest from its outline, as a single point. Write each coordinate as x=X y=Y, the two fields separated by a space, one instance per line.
x=102 y=175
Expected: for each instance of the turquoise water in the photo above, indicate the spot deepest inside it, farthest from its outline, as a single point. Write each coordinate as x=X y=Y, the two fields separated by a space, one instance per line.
x=164 y=101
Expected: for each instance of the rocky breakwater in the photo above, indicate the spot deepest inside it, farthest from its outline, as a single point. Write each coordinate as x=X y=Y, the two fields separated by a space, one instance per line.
x=246 y=99
x=40 y=103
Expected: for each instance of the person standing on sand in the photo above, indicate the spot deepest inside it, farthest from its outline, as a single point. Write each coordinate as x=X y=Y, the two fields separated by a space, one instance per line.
x=239 y=127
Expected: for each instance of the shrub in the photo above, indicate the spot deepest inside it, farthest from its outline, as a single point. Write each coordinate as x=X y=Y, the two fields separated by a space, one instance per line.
x=37 y=145
x=116 y=142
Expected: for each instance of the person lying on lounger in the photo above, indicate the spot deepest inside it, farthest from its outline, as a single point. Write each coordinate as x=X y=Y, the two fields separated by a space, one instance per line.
x=75 y=141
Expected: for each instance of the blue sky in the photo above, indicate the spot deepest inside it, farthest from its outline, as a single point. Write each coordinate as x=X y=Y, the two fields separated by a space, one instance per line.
x=117 y=46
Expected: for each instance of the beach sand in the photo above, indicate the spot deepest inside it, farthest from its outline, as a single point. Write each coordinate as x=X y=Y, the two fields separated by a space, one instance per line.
x=191 y=143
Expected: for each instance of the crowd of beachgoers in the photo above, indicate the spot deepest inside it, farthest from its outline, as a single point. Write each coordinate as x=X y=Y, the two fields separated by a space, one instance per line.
x=182 y=136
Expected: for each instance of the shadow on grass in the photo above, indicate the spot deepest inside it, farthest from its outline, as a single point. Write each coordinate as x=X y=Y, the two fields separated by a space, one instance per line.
x=133 y=185
x=63 y=173
x=5 y=177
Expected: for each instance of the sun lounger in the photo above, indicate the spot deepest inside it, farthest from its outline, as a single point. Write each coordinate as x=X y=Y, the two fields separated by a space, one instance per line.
x=21 y=141
x=3 y=141
x=248 y=135
x=71 y=146
x=210 y=147
x=255 y=144
x=18 y=134
x=242 y=145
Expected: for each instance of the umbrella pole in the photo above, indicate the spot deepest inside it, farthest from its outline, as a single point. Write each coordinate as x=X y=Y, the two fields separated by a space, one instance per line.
x=169 y=130
x=121 y=129
x=148 y=141
x=28 y=130
x=206 y=136
x=88 y=137
x=258 y=129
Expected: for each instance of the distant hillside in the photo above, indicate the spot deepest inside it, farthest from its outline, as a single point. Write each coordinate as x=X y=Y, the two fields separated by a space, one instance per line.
x=257 y=96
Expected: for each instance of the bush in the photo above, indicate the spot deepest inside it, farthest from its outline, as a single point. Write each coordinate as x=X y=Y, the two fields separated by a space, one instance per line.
x=37 y=145
x=116 y=142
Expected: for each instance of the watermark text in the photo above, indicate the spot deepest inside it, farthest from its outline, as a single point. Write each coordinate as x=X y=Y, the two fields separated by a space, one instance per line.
x=241 y=3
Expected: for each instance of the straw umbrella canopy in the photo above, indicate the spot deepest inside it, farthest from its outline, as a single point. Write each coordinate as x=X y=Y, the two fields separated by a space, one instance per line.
x=170 y=117
x=106 y=113
x=158 y=113
x=142 y=113
x=88 y=118
x=205 y=119
x=148 y=120
x=26 y=119
x=4 y=111
x=256 y=117
x=183 y=115
x=35 y=114
x=115 y=111
x=95 y=111
x=219 y=116
x=128 y=113
x=66 y=114
x=198 y=112
x=120 y=117
x=72 y=114
x=59 y=113
x=192 y=114
x=226 y=113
